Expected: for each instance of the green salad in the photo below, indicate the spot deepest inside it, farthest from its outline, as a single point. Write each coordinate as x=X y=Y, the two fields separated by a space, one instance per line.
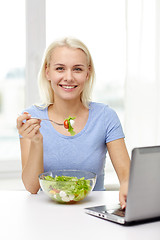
x=66 y=189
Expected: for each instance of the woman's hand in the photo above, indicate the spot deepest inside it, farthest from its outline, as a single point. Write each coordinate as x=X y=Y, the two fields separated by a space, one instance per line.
x=123 y=194
x=28 y=127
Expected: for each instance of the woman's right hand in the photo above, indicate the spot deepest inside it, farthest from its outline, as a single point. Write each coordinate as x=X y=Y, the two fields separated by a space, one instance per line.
x=28 y=127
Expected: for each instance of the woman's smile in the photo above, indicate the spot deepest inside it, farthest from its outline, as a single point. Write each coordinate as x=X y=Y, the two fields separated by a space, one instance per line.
x=67 y=87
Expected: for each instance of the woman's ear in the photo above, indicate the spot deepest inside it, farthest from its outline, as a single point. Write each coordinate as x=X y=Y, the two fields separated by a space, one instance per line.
x=47 y=72
x=88 y=72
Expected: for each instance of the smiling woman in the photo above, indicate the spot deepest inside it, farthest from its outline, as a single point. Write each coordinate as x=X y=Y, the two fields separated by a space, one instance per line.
x=107 y=18
x=97 y=129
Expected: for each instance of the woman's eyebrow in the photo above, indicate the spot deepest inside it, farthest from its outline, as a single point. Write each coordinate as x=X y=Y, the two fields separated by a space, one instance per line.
x=59 y=64
x=76 y=65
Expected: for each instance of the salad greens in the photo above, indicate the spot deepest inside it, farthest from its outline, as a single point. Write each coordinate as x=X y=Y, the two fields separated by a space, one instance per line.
x=70 y=121
x=65 y=188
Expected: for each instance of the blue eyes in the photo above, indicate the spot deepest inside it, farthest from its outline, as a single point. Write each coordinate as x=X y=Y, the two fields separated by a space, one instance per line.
x=60 y=69
x=78 y=69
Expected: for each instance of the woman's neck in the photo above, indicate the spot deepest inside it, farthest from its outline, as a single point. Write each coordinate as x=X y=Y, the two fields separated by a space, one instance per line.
x=63 y=109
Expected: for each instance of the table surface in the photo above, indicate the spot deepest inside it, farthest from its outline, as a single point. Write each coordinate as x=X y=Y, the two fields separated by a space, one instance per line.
x=26 y=216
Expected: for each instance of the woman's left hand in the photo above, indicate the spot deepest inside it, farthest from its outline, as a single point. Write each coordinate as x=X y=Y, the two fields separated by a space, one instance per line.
x=123 y=194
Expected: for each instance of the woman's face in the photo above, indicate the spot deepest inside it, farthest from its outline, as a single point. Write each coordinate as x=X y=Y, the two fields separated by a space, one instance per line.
x=68 y=71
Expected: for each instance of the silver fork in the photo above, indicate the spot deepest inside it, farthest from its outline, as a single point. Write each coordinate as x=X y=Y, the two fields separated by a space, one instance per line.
x=45 y=119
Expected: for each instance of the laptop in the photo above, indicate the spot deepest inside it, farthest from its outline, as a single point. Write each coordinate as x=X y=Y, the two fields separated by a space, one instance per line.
x=143 y=199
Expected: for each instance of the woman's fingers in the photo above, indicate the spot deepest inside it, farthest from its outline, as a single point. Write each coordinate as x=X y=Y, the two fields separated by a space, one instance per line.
x=29 y=130
x=123 y=194
x=123 y=202
x=27 y=126
x=22 y=118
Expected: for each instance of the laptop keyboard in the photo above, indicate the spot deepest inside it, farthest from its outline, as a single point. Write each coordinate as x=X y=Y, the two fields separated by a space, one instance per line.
x=120 y=212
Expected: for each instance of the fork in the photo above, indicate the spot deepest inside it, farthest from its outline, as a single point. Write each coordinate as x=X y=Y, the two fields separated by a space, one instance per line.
x=45 y=119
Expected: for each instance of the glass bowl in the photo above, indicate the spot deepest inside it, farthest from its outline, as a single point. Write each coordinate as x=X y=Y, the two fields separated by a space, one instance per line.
x=67 y=186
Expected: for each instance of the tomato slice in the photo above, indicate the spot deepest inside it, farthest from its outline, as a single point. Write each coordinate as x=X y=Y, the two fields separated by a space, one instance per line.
x=66 y=125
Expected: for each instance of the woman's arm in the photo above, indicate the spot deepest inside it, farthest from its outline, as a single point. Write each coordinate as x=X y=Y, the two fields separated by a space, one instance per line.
x=120 y=159
x=31 y=145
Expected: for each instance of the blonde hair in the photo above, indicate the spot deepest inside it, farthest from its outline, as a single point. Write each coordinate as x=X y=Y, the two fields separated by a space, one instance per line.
x=45 y=88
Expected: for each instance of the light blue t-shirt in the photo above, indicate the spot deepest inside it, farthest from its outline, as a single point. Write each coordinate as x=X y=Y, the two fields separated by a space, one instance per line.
x=85 y=150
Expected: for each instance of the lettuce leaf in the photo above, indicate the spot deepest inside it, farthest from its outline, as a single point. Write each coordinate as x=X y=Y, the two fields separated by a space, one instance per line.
x=70 y=129
x=71 y=186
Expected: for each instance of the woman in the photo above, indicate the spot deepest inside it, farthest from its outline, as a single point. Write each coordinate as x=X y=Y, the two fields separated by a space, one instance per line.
x=66 y=79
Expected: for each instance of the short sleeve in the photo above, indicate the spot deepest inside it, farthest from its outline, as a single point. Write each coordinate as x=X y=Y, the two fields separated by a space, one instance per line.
x=113 y=125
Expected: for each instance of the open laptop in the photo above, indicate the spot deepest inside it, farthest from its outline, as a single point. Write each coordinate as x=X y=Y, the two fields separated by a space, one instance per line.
x=143 y=200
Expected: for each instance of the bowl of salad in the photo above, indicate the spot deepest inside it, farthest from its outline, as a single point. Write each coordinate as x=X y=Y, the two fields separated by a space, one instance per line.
x=67 y=186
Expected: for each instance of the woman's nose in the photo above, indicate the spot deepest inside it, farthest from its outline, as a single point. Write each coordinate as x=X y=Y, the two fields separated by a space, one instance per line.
x=69 y=75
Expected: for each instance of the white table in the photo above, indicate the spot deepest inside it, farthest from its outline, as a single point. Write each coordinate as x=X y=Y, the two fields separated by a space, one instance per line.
x=25 y=216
